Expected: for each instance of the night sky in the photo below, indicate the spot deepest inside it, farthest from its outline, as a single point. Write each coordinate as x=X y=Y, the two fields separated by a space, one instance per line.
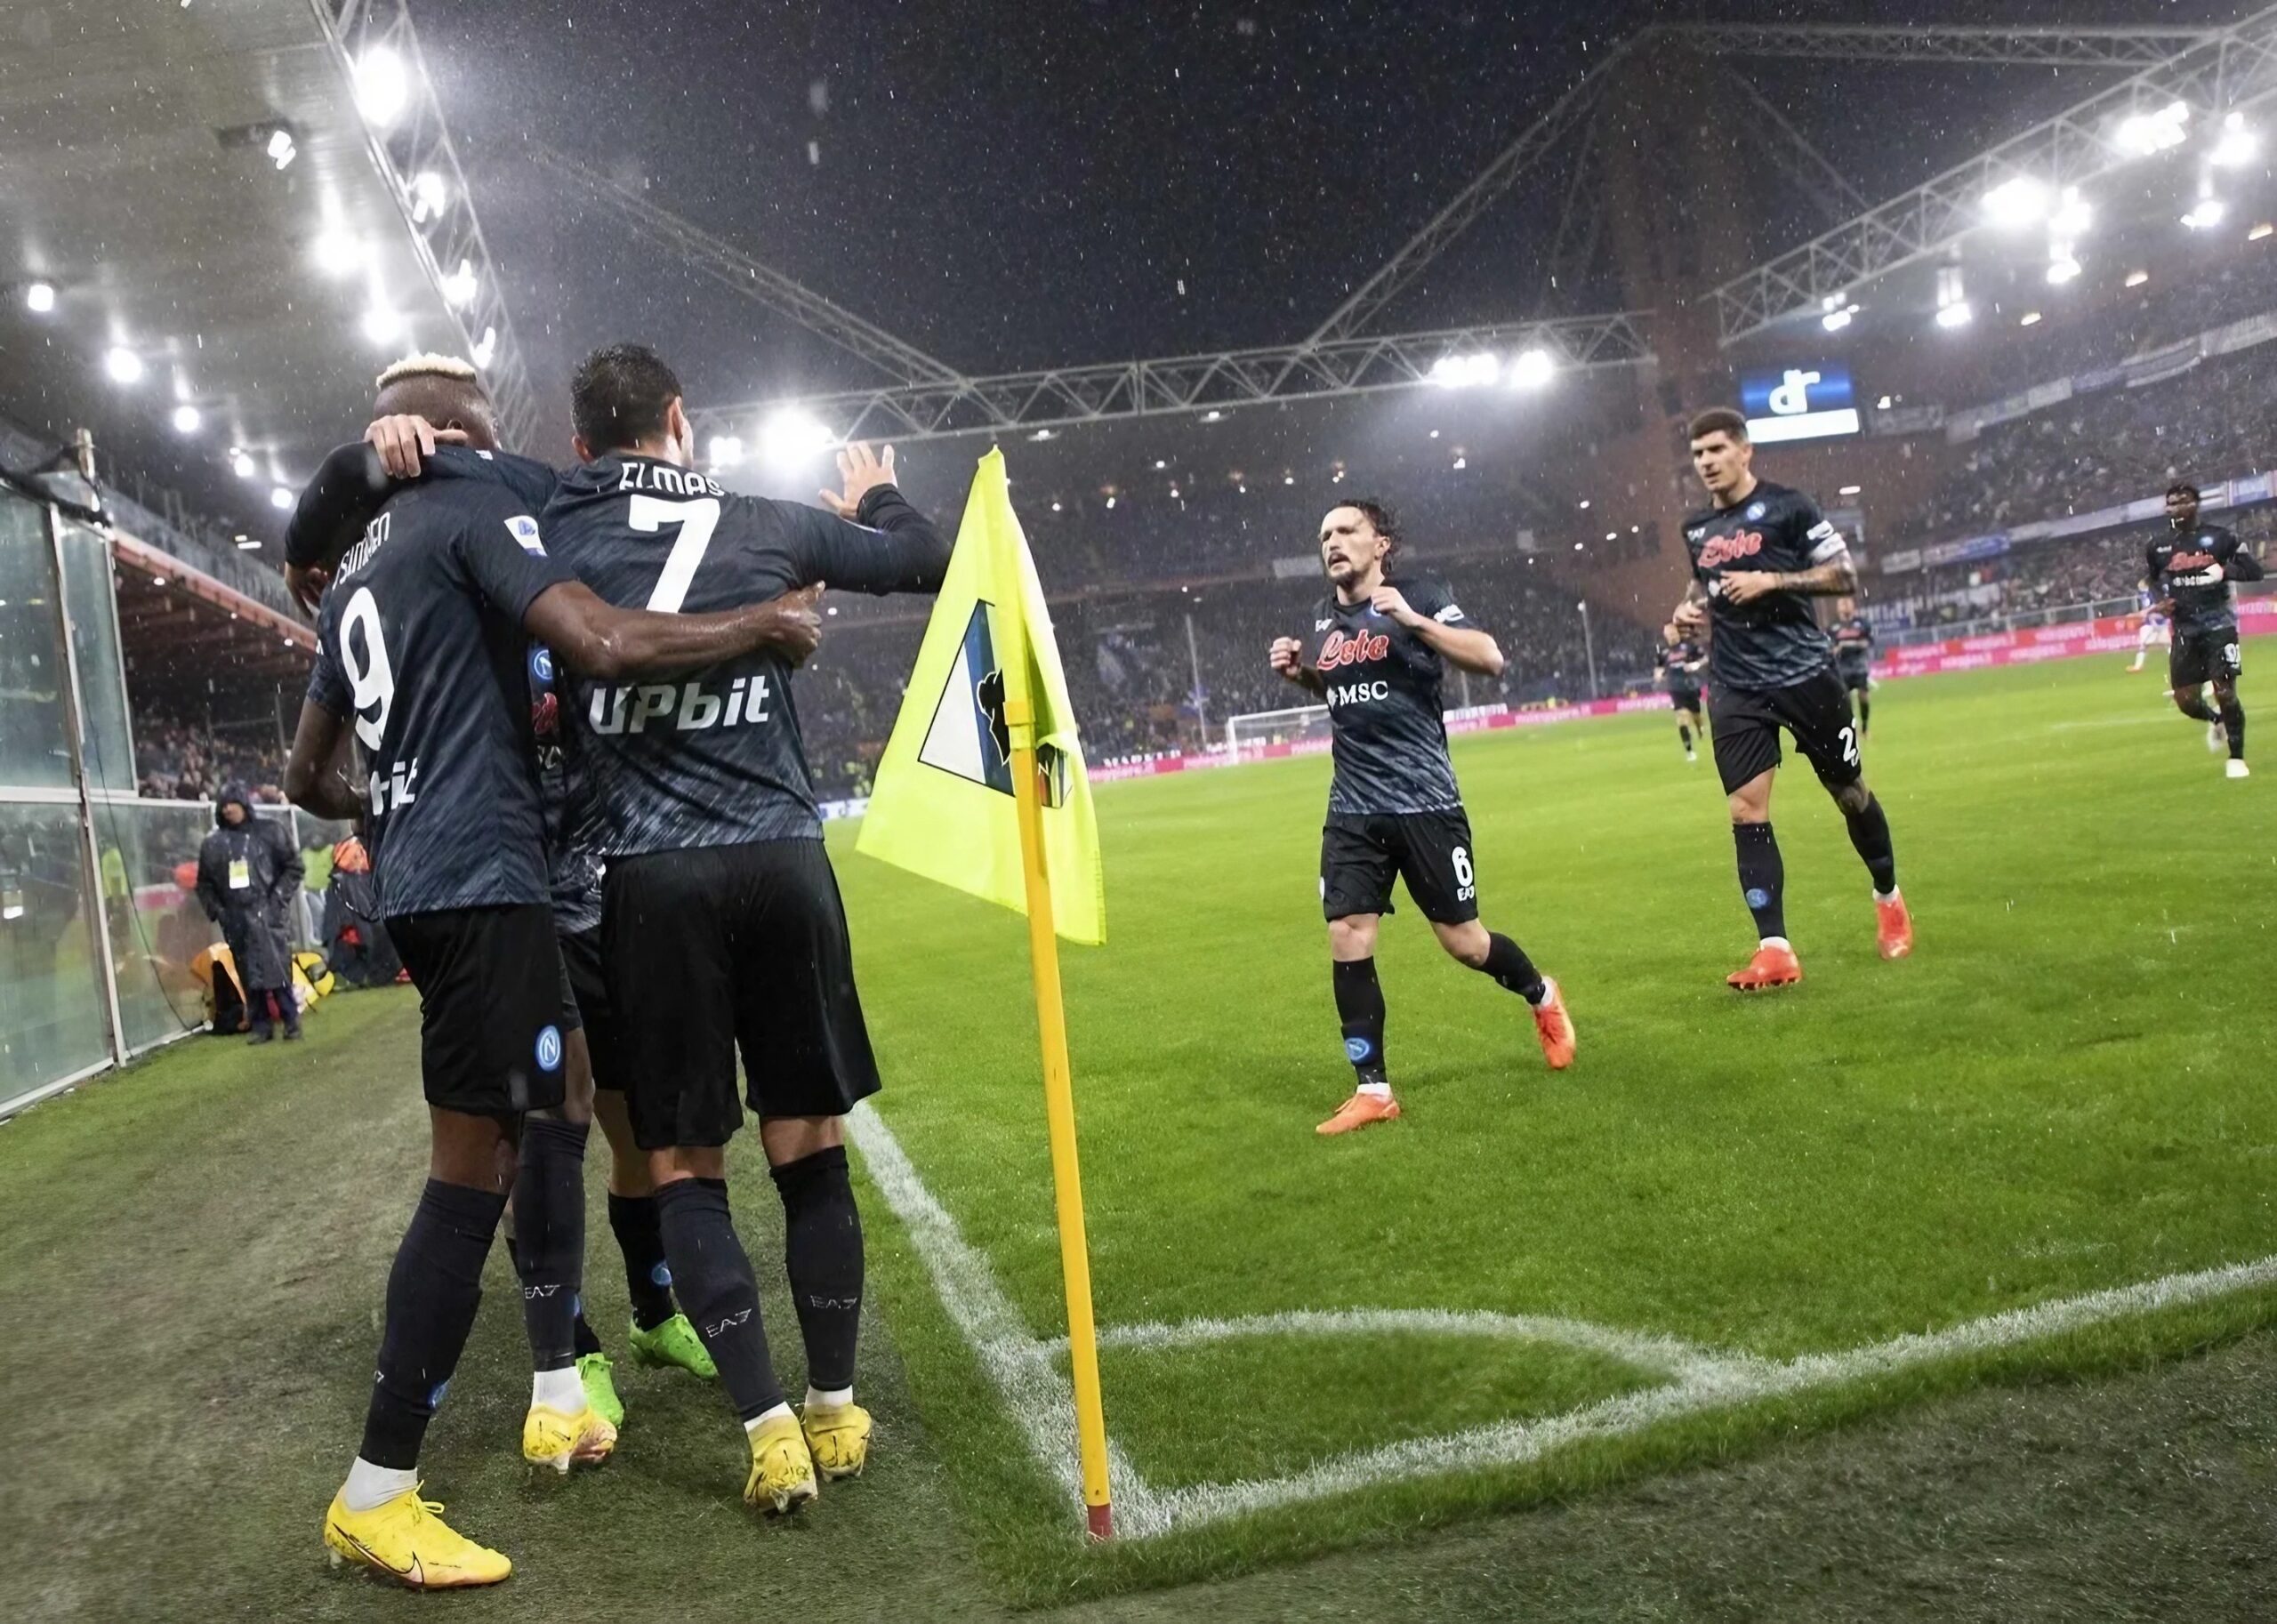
x=1013 y=185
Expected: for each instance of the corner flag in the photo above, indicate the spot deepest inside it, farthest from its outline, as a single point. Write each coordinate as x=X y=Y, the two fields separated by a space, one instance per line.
x=943 y=804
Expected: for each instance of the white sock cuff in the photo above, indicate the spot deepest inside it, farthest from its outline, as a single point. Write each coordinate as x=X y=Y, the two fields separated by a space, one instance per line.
x=758 y=1421
x=563 y=1389
x=1776 y=941
x=370 y=1485
x=1888 y=895
x=830 y=1398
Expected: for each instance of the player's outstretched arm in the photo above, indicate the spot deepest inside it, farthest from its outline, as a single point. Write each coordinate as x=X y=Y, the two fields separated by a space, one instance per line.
x=319 y=776
x=596 y=639
x=872 y=540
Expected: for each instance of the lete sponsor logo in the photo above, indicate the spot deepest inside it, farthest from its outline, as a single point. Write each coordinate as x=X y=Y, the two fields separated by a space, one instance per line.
x=1341 y=650
x=1723 y=549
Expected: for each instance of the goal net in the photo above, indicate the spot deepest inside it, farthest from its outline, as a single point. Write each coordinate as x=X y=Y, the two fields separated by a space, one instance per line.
x=1258 y=730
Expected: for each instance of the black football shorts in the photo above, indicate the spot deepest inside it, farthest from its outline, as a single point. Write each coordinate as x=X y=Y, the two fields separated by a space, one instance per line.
x=722 y=949
x=1684 y=699
x=1361 y=854
x=1856 y=678
x=1817 y=710
x=490 y=998
x=2204 y=656
x=586 y=1004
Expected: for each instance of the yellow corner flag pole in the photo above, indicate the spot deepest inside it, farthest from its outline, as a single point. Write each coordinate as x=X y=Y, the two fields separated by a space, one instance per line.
x=1058 y=1081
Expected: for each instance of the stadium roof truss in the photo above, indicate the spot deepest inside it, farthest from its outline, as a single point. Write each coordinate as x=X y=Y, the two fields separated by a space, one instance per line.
x=419 y=143
x=1189 y=383
x=903 y=362
x=1987 y=47
x=2221 y=71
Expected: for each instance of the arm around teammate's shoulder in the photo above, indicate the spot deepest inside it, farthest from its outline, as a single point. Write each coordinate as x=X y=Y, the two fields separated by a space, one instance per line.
x=596 y=639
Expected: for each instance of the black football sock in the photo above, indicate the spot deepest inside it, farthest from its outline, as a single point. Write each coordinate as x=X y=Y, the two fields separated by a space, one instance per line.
x=1684 y=733
x=648 y=1278
x=583 y=1333
x=712 y=1275
x=549 y=1244
x=2233 y=724
x=1870 y=833
x=2195 y=707
x=434 y=1291
x=1865 y=712
x=1762 y=877
x=1360 y=1008
x=822 y=1252
x=1507 y=964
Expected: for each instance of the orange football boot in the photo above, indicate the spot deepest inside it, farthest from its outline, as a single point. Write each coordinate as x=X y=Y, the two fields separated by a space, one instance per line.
x=1553 y=1026
x=1773 y=966
x=1359 y=1111
x=1893 y=927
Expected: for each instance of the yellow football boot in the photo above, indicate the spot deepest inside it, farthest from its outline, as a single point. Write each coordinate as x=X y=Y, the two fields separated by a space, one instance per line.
x=406 y=1539
x=781 y=1470
x=837 y=1438
x=552 y=1437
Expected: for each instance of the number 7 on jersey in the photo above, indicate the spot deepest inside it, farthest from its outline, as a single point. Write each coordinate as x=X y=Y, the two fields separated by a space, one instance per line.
x=696 y=520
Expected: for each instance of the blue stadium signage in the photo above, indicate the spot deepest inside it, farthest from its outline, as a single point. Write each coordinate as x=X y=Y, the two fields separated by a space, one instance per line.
x=1799 y=403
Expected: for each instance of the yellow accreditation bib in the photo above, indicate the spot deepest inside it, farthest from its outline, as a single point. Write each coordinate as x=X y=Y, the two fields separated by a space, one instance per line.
x=240 y=874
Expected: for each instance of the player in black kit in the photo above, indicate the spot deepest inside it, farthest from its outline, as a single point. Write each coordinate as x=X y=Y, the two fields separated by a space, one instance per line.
x=1759 y=554
x=721 y=927
x=1681 y=660
x=2190 y=571
x=420 y=670
x=1853 y=658
x=1376 y=654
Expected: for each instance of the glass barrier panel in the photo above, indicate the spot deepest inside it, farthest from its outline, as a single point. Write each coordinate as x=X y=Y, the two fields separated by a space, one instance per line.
x=34 y=749
x=52 y=1022
x=147 y=851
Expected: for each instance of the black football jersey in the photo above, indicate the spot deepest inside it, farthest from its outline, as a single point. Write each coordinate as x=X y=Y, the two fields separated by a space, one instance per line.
x=1389 y=730
x=1774 y=642
x=713 y=756
x=1854 y=643
x=1681 y=663
x=2195 y=569
x=421 y=645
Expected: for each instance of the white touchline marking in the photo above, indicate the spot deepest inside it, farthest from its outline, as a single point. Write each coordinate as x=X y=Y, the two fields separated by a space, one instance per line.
x=1665 y=1354
x=1026 y=1369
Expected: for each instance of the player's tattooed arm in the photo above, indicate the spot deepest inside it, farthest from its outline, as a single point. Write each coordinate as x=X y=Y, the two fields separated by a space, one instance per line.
x=319 y=777
x=1287 y=656
x=1692 y=610
x=1837 y=577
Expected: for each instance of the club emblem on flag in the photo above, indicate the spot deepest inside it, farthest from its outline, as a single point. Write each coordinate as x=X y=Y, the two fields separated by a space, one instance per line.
x=968 y=735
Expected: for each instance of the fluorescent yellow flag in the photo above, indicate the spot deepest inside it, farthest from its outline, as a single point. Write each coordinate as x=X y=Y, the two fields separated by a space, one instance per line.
x=943 y=802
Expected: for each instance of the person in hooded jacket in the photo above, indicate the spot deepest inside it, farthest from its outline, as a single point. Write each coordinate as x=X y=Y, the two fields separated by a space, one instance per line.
x=247 y=871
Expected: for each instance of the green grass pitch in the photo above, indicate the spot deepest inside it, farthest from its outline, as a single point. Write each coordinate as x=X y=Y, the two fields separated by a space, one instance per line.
x=2065 y=1092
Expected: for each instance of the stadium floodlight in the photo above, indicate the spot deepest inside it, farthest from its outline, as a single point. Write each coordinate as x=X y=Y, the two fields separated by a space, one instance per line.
x=336 y=251
x=2236 y=145
x=1834 y=321
x=1041 y=434
x=2260 y=231
x=794 y=437
x=280 y=498
x=186 y=420
x=1955 y=315
x=123 y=365
x=2209 y=213
x=382 y=325
x=430 y=194
x=1213 y=415
x=2073 y=217
x=1532 y=368
x=2144 y=133
x=241 y=464
x=382 y=86
x=1465 y=371
x=2062 y=267
x=247 y=543
x=485 y=349
x=1849 y=490
x=280 y=148
x=2135 y=279
x=2030 y=320
x=2019 y=200
x=39 y=298
x=726 y=450
x=460 y=286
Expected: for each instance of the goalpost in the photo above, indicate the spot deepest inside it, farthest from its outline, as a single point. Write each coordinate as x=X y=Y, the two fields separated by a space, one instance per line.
x=1257 y=729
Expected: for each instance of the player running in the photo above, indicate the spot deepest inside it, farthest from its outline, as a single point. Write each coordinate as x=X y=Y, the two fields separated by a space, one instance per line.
x=422 y=643
x=2154 y=628
x=1376 y=655
x=721 y=927
x=2190 y=569
x=1680 y=660
x=1853 y=658
x=1759 y=554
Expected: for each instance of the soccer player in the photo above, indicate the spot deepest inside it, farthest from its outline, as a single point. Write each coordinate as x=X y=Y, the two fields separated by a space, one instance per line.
x=343 y=497
x=2153 y=630
x=1759 y=554
x=1681 y=660
x=422 y=643
x=1377 y=652
x=1853 y=658
x=2190 y=569
x=721 y=927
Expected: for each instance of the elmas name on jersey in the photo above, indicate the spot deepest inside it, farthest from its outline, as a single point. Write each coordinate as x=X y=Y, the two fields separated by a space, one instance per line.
x=630 y=708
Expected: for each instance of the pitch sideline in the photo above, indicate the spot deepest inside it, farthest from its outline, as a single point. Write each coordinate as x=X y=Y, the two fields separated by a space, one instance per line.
x=1025 y=1371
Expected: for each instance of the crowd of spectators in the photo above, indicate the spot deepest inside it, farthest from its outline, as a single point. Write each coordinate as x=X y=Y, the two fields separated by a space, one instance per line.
x=178 y=760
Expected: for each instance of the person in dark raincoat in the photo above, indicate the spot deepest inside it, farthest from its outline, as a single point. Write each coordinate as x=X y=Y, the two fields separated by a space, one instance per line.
x=247 y=873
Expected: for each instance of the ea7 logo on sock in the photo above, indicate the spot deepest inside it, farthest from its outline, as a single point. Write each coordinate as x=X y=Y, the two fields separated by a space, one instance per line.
x=733 y=1320
x=531 y=1294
